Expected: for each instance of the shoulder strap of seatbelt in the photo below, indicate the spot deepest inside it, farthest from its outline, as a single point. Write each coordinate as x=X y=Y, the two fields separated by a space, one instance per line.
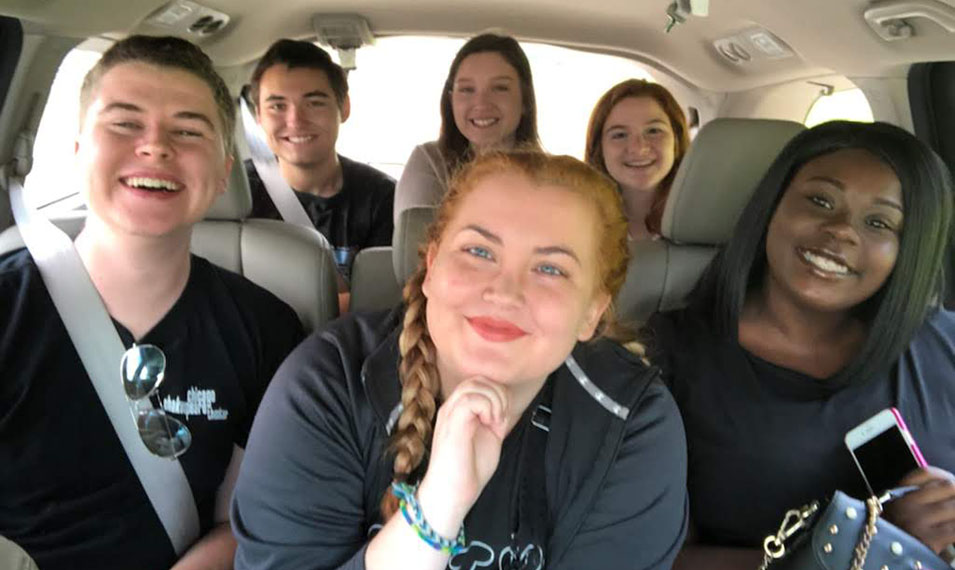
x=282 y=195
x=94 y=335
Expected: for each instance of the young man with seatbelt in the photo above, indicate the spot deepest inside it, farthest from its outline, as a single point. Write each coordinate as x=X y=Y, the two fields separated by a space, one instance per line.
x=154 y=151
x=301 y=99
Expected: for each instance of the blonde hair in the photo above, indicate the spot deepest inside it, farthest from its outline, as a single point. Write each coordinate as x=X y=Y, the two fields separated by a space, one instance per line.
x=418 y=371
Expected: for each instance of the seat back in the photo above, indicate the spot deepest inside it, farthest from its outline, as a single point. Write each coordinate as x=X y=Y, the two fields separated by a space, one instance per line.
x=373 y=283
x=714 y=183
x=411 y=232
x=380 y=273
x=289 y=261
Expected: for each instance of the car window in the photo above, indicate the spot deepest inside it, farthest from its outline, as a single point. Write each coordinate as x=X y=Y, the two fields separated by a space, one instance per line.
x=52 y=181
x=394 y=92
x=848 y=104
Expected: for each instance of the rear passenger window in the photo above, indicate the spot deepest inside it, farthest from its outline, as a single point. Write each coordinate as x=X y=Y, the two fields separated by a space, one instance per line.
x=52 y=181
x=395 y=93
x=848 y=104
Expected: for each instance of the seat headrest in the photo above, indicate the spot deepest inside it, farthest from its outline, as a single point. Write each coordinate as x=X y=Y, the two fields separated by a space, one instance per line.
x=724 y=164
x=236 y=202
x=410 y=232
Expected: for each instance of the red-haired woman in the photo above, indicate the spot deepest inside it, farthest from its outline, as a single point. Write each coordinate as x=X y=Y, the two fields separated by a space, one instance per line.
x=638 y=135
x=489 y=421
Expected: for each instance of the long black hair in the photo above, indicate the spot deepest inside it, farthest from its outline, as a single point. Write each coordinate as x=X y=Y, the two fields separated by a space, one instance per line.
x=453 y=144
x=916 y=284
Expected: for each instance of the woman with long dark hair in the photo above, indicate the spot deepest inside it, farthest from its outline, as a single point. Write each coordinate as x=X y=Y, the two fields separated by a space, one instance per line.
x=823 y=309
x=487 y=103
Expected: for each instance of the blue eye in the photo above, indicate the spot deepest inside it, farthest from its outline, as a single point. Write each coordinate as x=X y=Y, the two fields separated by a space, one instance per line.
x=188 y=133
x=552 y=270
x=478 y=251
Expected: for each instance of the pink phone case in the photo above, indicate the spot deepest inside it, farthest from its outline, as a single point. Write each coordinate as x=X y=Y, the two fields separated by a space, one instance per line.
x=911 y=440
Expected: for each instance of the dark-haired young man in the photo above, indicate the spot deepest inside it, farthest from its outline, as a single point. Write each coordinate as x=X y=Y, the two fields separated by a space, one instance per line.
x=154 y=151
x=301 y=99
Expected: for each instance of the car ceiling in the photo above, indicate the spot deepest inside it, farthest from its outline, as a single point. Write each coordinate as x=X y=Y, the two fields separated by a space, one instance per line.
x=826 y=35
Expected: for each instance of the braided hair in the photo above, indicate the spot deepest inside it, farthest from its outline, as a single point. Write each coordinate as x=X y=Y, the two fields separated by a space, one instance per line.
x=418 y=371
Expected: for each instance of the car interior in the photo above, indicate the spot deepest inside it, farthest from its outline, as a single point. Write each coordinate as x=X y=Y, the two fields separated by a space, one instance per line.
x=747 y=72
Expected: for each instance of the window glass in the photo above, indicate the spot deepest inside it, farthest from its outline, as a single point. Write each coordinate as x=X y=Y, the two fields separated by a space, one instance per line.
x=396 y=91
x=849 y=105
x=52 y=180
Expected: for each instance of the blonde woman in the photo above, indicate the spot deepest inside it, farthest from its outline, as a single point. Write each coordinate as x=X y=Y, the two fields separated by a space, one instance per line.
x=489 y=421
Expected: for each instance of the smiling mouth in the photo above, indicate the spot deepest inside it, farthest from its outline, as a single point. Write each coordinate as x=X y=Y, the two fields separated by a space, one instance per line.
x=496 y=330
x=299 y=139
x=152 y=184
x=484 y=123
x=639 y=164
x=825 y=263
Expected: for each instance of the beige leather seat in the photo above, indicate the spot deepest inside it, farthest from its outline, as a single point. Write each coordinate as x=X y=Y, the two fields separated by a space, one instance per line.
x=373 y=283
x=724 y=164
x=288 y=260
x=379 y=273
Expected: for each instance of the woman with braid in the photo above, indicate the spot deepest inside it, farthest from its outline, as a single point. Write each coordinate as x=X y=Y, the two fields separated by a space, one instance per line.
x=493 y=420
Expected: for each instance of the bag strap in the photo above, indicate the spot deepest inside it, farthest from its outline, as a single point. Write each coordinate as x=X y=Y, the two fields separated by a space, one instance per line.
x=94 y=336
x=282 y=195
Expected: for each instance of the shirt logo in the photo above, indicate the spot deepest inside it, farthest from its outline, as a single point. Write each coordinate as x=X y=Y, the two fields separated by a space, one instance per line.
x=198 y=403
x=477 y=554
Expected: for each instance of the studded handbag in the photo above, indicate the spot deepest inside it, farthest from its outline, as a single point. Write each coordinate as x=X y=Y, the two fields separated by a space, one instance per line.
x=845 y=534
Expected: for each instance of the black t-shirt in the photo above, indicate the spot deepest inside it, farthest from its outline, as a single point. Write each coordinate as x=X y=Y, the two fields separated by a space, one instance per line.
x=316 y=467
x=358 y=216
x=763 y=439
x=68 y=494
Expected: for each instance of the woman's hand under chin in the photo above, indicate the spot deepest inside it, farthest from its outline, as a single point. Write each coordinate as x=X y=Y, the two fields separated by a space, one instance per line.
x=465 y=450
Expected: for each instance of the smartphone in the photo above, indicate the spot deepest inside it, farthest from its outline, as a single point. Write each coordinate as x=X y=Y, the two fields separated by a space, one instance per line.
x=883 y=450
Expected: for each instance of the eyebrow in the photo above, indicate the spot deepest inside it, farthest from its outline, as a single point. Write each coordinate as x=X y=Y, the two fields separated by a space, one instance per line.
x=316 y=93
x=557 y=250
x=839 y=185
x=495 y=78
x=188 y=115
x=650 y=122
x=547 y=250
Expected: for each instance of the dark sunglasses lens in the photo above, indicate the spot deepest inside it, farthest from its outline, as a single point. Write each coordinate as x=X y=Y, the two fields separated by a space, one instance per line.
x=163 y=435
x=142 y=369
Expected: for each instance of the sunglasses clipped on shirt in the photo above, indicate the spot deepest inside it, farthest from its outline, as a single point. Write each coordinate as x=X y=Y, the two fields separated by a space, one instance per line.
x=142 y=370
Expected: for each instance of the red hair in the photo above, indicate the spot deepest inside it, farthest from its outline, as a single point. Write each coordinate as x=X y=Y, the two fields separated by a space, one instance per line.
x=594 y=155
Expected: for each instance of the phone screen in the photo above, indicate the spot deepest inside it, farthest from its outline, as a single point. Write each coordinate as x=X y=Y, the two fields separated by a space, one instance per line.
x=885 y=459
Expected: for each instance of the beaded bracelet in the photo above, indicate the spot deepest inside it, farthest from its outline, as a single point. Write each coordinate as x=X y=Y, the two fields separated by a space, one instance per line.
x=412 y=512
